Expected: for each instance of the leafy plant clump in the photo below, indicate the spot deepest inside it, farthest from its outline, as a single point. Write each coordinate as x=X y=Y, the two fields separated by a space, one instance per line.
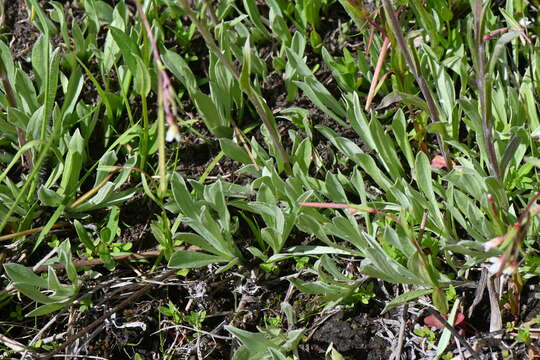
x=268 y=180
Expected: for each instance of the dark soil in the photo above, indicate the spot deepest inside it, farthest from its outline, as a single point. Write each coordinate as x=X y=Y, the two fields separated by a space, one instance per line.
x=22 y=34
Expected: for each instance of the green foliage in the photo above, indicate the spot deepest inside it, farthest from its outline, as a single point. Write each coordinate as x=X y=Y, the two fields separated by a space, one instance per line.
x=334 y=287
x=213 y=236
x=269 y=343
x=32 y=285
x=319 y=181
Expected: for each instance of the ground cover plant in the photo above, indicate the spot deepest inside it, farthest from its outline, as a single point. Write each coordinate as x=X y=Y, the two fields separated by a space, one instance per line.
x=269 y=179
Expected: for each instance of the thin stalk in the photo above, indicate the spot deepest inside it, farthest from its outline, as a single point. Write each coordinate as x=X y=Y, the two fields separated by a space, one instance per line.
x=250 y=93
x=166 y=101
x=484 y=91
x=144 y=147
x=90 y=193
x=432 y=108
x=161 y=148
x=32 y=231
x=375 y=80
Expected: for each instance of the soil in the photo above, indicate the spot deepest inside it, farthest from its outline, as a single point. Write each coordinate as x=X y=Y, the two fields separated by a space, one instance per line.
x=23 y=33
x=249 y=299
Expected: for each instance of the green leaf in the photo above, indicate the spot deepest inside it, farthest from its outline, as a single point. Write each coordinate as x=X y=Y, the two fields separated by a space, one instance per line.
x=211 y=115
x=310 y=250
x=51 y=90
x=333 y=354
x=191 y=259
x=128 y=48
x=83 y=236
x=358 y=119
x=181 y=70
x=49 y=197
x=64 y=257
x=142 y=82
x=75 y=85
x=256 y=343
x=45 y=25
x=276 y=354
x=33 y=293
x=20 y=274
x=183 y=198
x=46 y=309
x=323 y=99
x=234 y=151
x=399 y=128
x=407 y=99
x=245 y=81
x=499 y=48
x=255 y=17
x=316 y=287
x=386 y=149
x=40 y=59
x=72 y=165
x=424 y=181
x=444 y=341
x=277 y=22
x=405 y=298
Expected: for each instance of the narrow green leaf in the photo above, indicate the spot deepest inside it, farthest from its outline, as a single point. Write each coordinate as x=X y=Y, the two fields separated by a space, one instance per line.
x=234 y=151
x=192 y=259
x=72 y=165
x=23 y=275
x=181 y=70
x=399 y=128
x=398 y=96
x=405 y=298
x=142 y=82
x=83 y=236
x=444 y=340
x=424 y=181
x=46 y=309
x=128 y=48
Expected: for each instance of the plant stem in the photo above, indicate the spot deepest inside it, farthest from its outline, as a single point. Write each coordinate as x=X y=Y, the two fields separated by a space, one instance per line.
x=161 y=148
x=144 y=147
x=166 y=106
x=433 y=112
x=378 y=68
x=484 y=93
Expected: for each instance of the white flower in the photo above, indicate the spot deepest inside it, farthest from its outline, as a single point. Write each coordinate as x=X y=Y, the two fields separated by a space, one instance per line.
x=495 y=266
x=172 y=134
x=510 y=268
x=524 y=22
x=497 y=262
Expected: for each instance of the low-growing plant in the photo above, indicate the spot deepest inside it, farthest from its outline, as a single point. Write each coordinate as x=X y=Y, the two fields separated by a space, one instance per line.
x=268 y=343
x=216 y=237
x=429 y=174
x=32 y=285
x=334 y=287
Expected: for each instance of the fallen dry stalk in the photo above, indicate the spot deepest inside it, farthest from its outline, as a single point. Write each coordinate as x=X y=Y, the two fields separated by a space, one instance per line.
x=94 y=262
x=378 y=68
